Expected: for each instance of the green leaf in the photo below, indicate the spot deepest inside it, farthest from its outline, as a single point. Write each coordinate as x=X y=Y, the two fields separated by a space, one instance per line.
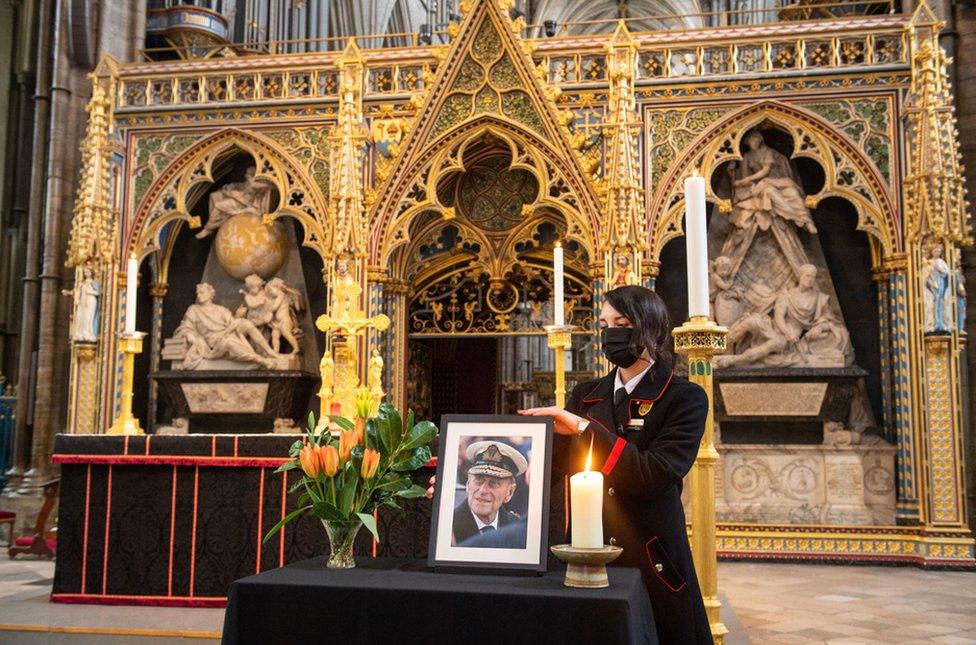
x=420 y=435
x=418 y=458
x=311 y=419
x=348 y=493
x=375 y=438
x=413 y=492
x=304 y=498
x=285 y=520
x=392 y=503
x=288 y=465
x=370 y=524
x=393 y=425
x=397 y=483
x=296 y=486
x=342 y=422
x=327 y=511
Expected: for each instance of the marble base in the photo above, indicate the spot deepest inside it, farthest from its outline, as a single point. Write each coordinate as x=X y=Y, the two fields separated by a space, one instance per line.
x=806 y=484
x=237 y=401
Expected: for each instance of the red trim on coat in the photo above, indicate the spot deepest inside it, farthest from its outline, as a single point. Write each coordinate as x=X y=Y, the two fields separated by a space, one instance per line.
x=586 y=398
x=650 y=559
x=614 y=455
x=171 y=460
x=151 y=601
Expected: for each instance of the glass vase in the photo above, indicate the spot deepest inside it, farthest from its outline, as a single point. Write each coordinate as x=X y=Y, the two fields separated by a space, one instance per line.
x=342 y=536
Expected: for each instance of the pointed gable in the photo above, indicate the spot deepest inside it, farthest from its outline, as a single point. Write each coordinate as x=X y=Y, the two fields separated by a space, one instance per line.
x=486 y=72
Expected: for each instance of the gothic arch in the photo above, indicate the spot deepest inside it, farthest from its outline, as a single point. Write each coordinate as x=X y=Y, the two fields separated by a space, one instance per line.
x=416 y=192
x=850 y=174
x=167 y=199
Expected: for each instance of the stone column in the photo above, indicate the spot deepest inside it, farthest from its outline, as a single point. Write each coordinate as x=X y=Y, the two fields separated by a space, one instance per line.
x=900 y=369
x=158 y=292
x=395 y=342
x=884 y=316
x=31 y=280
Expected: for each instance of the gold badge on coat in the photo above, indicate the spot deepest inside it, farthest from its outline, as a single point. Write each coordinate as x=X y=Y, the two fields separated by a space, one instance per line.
x=645 y=407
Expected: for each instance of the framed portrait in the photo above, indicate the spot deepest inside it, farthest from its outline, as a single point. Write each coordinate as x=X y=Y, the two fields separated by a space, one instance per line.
x=491 y=503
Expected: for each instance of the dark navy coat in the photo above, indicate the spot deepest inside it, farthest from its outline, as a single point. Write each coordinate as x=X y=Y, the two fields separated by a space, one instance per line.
x=643 y=466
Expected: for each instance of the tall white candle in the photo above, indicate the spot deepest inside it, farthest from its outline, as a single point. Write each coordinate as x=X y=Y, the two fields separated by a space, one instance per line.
x=131 y=281
x=697 y=246
x=559 y=305
x=586 y=504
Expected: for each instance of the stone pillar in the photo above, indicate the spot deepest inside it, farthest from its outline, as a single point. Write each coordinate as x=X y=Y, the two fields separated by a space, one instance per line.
x=31 y=280
x=158 y=291
x=941 y=438
x=901 y=382
x=884 y=316
x=395 y=342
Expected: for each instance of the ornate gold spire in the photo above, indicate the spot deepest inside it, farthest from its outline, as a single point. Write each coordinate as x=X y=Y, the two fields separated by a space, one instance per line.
x=624 y=209
x=346 y=148
x=92 y=226
x=935 y=199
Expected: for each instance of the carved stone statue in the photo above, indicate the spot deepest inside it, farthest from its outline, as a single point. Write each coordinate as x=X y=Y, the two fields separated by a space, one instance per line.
x=86 y=294
x=210 y=331
x=766 y=196
x=802 y=330
x=272 y=307
x=936 y=275
x=249 y=197
x=374 y=377
x=726 y=298
x=960 y=301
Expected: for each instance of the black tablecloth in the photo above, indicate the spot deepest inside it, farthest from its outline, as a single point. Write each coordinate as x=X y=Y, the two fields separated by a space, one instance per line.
x=401 y=601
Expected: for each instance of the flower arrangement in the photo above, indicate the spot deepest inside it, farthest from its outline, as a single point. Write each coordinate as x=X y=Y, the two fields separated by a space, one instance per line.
x=345 y=478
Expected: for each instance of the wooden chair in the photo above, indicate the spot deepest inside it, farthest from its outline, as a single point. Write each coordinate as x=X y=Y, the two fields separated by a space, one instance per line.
x=40 y=543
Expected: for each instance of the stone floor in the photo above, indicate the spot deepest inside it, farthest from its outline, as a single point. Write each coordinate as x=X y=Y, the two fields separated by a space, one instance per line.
x=763 y=603
x=793 y=603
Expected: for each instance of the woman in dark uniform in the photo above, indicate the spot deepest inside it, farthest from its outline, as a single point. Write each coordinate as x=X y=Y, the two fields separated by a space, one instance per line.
x=645 y=424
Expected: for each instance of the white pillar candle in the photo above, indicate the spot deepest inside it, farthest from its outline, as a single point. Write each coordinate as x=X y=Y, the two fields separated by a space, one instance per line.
x=131 y=281
x=586 y=506
x=697 y=246
x=558 y=296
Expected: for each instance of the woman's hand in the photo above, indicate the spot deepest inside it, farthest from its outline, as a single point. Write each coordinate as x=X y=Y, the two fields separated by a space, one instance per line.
x=430 y=489
x=567 y=423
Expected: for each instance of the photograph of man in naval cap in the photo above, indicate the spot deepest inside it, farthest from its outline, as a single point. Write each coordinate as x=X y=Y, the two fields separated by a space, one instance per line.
x=482 y=518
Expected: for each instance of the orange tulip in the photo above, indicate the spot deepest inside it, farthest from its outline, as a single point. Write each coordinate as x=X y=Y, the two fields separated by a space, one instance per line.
x=360 y=430
x=347 y=441
x=308 y=458
x=329 y=460
x=371 y=461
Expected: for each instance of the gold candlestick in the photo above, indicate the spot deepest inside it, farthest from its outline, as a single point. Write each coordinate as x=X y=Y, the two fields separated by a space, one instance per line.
x=130 y=343
x=560 y=339
x=699 y=339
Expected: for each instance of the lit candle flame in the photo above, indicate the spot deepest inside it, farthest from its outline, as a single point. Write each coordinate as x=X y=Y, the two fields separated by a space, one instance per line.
x=589 y=457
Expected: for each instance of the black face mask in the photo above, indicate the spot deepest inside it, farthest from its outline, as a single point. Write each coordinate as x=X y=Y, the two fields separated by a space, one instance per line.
x=616 y=345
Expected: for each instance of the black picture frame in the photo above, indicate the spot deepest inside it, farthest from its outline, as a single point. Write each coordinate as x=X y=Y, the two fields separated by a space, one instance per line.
x=443 y=555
